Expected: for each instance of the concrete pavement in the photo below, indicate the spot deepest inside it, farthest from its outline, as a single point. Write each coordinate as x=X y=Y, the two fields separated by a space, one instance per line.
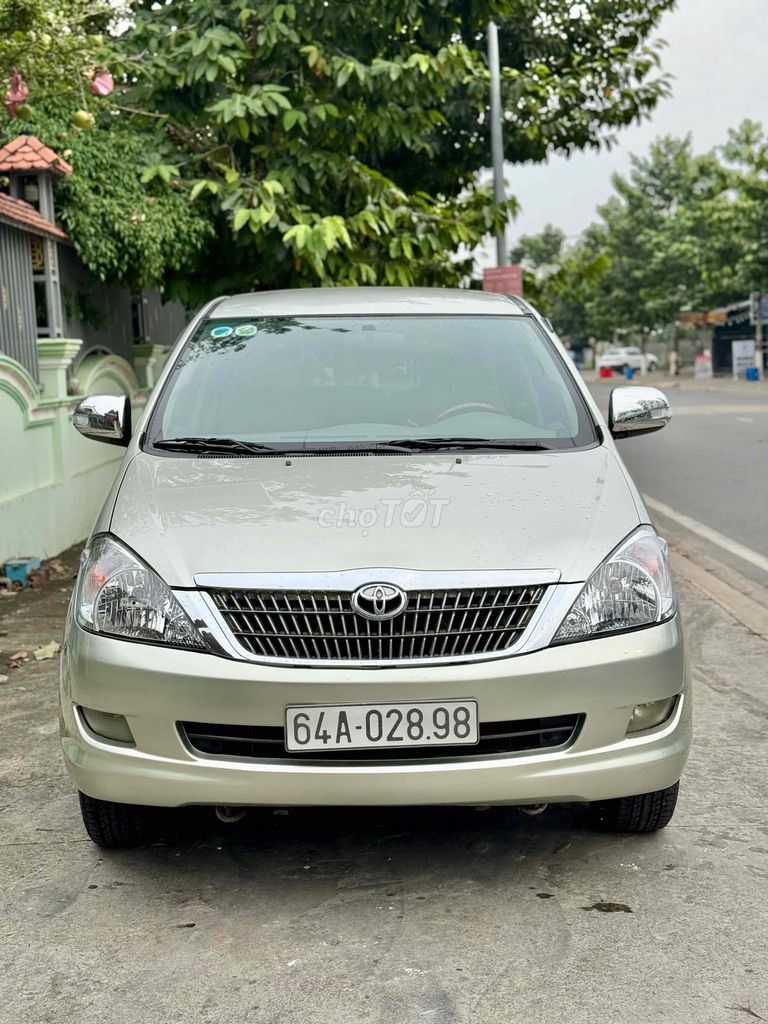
x=452 y=916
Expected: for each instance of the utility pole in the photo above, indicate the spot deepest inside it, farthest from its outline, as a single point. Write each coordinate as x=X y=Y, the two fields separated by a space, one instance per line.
x=497 y=144
x=759 y=335
x=756 y=319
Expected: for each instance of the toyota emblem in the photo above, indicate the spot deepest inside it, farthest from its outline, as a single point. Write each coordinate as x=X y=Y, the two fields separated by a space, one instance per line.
x=379 y=601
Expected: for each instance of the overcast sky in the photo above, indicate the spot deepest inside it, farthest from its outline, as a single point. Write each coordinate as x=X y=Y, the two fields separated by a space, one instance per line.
x=718 y=56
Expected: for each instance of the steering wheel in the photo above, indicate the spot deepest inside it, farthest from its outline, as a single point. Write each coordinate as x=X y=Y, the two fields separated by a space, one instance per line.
x=466 y=407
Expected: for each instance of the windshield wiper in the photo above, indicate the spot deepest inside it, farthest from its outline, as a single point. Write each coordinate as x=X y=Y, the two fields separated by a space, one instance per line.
x=426 y=444
x=212 y=444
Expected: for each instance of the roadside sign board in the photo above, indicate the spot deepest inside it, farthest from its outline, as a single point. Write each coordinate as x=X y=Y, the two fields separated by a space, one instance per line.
x=742 y=356
x=702 y=367
x=508 y=280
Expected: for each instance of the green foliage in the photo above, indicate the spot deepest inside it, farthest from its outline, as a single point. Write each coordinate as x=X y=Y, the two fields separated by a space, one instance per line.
x=650 y=236
x=55 y=44
x=574 y=72
x=125 y=231
x=681 y=232
x=255 y=143
x=566 y=293
x=737 y=261
x=125 y=226
x=539 y=251
x=339 y=143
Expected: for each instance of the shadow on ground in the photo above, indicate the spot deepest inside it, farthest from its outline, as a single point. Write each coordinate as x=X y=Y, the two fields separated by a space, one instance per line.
x=336 y=842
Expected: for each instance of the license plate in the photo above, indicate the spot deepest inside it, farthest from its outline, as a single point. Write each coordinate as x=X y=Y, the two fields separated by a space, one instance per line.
x=356 y=726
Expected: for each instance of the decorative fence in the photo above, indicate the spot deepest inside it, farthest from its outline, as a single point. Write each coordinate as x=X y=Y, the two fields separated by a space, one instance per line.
x=52 y=480
x=18 y=328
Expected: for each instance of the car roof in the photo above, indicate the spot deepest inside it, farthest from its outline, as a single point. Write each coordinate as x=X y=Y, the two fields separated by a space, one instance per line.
x=367 y=301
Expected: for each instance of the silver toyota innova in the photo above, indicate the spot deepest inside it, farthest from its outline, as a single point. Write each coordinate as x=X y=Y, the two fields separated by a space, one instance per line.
x=366 y=547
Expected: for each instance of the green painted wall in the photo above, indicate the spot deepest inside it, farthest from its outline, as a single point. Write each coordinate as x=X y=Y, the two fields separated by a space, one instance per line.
x=52 y=480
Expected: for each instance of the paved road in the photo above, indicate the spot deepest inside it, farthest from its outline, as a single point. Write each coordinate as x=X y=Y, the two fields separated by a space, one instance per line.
x=452 y=916
x=710 y=463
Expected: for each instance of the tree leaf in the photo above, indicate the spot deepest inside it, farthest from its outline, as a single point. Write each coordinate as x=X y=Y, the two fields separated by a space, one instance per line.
x=241 y=218
x=198 y=188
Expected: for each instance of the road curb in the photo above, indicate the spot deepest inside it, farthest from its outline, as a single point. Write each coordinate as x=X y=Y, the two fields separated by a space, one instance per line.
x=725 y=385
x=740 y=606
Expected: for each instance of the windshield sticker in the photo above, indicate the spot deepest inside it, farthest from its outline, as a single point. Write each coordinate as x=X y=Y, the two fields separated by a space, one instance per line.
x=221 y=332
x=246 y=330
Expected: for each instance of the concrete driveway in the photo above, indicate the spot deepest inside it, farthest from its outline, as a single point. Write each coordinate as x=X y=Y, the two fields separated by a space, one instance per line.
x=391 y=917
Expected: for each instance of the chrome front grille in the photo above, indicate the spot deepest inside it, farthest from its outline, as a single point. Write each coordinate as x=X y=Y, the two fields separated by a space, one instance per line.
x=322 y=625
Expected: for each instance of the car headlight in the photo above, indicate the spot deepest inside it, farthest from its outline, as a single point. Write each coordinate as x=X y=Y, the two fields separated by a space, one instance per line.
x=632 y=588
x=118 y=595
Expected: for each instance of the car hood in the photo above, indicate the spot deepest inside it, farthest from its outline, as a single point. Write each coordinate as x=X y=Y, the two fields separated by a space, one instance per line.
x=556 y=510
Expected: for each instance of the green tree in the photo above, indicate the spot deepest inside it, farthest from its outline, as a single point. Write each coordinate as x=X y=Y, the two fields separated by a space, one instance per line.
x=255 y=144
x=572 y=74
x=539 y=251
x=564 y=283
x=681 y=232
x=56 y=45
x=735 y=260
x=339 y=143
x=123 y=229
x=653 y=230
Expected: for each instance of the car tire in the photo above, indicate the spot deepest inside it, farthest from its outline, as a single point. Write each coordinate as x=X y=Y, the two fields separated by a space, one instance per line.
x=647 y=812
x=119 y=826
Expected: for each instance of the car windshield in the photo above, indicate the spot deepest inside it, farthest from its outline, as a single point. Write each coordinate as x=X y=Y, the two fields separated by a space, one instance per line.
x=297 y=383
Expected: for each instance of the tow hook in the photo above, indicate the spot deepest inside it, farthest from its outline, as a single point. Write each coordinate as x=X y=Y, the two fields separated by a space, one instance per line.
x=533 y=810
x=229 y=815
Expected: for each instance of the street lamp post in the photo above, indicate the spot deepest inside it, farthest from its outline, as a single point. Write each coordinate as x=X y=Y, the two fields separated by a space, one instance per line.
x=759 y=334
x=497 y=144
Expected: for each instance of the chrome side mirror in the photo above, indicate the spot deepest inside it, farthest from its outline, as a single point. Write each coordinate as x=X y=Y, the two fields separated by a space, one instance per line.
x=637 y=411
x=104 y=418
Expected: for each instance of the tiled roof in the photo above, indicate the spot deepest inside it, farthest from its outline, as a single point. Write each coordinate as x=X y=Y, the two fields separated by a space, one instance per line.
x=28 y=153
x=22 y=215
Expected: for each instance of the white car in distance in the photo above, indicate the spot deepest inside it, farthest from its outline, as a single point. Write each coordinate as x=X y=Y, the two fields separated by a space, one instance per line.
x=617 y=358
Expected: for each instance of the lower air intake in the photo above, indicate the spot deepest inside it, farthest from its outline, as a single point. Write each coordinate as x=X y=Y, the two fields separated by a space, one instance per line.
x=260 y=742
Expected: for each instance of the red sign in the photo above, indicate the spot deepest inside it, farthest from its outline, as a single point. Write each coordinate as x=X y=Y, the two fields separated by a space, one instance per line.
x=508 y=280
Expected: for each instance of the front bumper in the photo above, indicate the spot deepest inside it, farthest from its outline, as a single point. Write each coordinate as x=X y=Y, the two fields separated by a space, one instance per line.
x=155 y=688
